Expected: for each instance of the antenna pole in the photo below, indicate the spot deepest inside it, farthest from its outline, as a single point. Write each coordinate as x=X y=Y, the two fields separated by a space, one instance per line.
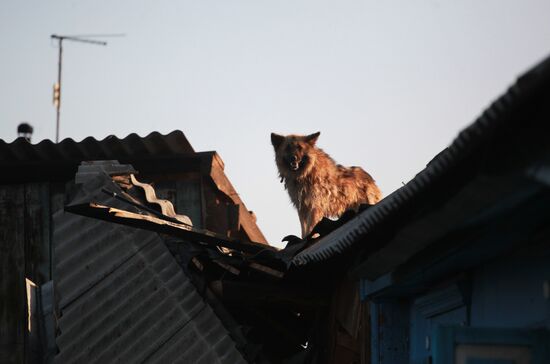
x=57 y=86
x=58 y=101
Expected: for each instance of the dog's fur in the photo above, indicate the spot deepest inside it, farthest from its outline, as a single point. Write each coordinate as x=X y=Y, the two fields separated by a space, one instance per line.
x=317 y=186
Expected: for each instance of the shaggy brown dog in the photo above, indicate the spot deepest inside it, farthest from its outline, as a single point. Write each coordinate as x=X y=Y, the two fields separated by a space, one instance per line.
x=317 y=186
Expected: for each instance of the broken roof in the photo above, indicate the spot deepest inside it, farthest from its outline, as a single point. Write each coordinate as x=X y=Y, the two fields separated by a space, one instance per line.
x=248 y=277
x=123 y=297
x=504 y=113
x=98 y=179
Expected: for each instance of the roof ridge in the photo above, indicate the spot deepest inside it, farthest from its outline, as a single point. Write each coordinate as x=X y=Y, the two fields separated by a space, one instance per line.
x=154 y=133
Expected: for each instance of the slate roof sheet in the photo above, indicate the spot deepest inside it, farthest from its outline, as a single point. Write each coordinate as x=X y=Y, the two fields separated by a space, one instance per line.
x=90 y=148
x=123 y=298
x=47 y=161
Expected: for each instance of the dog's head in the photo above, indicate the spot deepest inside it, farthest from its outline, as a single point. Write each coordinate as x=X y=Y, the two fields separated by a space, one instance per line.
x=294 y=154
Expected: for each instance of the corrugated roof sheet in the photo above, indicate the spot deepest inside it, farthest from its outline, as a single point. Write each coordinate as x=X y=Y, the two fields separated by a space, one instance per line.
x=111 y=147
x=468 y=141
x=123 y=298
x=49 y=161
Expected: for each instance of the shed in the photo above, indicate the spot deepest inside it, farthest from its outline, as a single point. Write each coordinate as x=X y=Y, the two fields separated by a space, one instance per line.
x=93 y=262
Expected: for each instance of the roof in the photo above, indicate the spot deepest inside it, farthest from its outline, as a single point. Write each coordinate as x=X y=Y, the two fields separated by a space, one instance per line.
x=135 y=204
x=124 y=298
x=154 y=154
x=47 y=160
x=90 y=148
x=501 y=114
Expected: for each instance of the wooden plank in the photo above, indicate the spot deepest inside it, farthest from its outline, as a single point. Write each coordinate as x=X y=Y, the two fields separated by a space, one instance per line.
x=197 y=264
x=365 y=333
x=166 y=227
x=57 y=197
x=203 y=188
x=345 y=323
x=227 y=267
x=233 y=217
x=33 y=323
x=13 y=307
x=247 y=220
x=189 y=201
x=393 y=331
x=37 y=232
x=57 y=205
x=215 y=210
x=267 y=270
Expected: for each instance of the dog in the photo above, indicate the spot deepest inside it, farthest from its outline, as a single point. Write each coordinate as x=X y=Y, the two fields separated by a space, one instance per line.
x=317 y=186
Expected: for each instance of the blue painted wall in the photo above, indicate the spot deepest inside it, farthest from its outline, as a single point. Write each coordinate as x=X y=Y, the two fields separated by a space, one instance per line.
x=421 y=328
x=508 y=292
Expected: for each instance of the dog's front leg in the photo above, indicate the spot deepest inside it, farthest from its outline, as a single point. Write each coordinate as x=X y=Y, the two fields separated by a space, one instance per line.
x=304 y=224
x=313 y=217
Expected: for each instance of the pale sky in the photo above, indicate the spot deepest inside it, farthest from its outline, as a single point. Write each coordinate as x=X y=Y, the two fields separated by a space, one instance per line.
x=388 y=83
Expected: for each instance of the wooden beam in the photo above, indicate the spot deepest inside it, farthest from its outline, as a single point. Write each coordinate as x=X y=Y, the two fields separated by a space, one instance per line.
x=197 y=264
x=156 y=224
x=227 y=267
x=247 y=220
x=267 y=270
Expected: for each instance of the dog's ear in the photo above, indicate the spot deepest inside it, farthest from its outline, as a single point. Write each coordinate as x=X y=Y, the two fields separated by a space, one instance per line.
x=276 y=140
x=312 y=138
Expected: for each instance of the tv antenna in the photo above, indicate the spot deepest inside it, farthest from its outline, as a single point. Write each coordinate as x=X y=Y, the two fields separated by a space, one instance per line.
x=84 y=38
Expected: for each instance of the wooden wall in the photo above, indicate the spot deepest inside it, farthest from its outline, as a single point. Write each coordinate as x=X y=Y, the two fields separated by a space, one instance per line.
x=25 y=252
x=12 y=274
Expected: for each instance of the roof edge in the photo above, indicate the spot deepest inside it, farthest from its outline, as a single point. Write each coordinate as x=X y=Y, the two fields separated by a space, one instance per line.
x=463 y=145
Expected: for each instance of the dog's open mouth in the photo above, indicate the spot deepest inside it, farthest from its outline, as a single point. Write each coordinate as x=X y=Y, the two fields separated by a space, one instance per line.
x=296 y=163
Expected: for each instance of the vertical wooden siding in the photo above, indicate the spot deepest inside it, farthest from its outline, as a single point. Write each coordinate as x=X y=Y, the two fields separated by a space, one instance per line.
x=25 y=251
x=12 y=274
